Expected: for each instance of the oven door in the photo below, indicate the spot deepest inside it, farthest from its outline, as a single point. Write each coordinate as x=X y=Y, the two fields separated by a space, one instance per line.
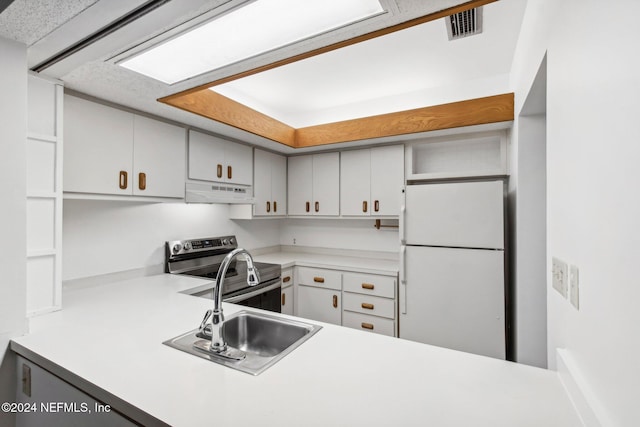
x=267 y=297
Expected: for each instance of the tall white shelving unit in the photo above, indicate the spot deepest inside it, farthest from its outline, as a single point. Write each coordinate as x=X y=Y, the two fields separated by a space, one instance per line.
x=44 y=195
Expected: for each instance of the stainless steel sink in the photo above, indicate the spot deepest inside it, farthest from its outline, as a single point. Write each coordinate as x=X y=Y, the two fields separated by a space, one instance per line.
x=264 y=339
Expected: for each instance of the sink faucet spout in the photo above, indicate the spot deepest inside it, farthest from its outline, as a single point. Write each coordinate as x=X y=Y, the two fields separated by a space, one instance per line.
x=218 y=344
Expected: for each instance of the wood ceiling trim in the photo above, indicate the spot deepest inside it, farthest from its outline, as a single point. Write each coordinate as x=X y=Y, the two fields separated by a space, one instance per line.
x=378 y=33
x=492 y=109
x=214 y=106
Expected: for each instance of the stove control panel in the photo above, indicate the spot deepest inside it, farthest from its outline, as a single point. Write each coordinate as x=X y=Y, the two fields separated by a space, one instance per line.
x=183 y=247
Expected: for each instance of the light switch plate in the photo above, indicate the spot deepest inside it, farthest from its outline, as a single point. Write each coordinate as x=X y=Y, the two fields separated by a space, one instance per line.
x=559 y=276
x=574 y=291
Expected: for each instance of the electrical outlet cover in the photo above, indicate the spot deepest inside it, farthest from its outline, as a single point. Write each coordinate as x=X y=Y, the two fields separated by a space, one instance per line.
x=559 y=276
x=574 y=289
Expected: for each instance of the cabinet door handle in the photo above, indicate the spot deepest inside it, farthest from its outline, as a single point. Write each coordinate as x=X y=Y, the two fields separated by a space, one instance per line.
x=364 y=206
x=367 y=306
x=275 y=206
x=308 y=206
x=318 y=279
x=376 y=205
x=123 y=180
x=335 y=301
x=142 y=181
x=229 y=172
x=268 y=206
x=366 y=325
x=286 y=279
x=368 y=286
x=283 y=298
x=317 y=206
x=219 y=171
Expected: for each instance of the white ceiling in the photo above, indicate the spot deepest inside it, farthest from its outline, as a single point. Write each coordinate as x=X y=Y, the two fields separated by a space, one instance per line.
x=365 y=75
x=412 y=68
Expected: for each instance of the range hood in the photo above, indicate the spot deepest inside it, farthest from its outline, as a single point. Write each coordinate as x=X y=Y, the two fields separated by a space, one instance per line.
x=197 y=192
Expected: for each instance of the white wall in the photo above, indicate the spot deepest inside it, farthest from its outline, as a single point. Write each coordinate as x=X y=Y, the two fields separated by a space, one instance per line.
x=530 y=254
x=593 y=203
x=102 y=237
x=527 y=216
x=13 y=134
x=353 y=234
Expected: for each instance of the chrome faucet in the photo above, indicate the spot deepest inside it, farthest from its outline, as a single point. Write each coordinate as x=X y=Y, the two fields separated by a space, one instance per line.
x=218 y=344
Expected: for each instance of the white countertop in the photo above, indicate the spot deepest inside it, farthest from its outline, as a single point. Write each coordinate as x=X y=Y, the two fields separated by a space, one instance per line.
x=342 y=262
x=107 y=340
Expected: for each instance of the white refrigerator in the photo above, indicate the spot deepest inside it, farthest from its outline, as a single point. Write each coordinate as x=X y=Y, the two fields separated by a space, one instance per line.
x=452 y=273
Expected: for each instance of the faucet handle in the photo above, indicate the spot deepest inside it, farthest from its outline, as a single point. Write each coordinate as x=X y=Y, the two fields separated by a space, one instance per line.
x=203 y=324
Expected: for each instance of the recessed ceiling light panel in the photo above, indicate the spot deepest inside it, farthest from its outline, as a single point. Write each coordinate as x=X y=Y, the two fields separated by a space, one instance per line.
x=250 y=30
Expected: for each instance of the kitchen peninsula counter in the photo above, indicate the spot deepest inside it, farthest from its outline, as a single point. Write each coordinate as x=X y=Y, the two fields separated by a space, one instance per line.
x=107 y=341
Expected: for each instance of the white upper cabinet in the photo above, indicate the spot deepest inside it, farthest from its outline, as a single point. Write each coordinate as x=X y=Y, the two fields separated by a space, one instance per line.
x=300 y=185
x=98 y=152
x=158 y=158
x=270 y=184
x=314 y=185
x=110 y=151
x=371 y=181
x=355 y=182
x=218 y=160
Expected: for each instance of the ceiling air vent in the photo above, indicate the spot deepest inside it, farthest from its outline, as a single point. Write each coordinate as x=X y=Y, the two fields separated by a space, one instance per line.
x=464 y=24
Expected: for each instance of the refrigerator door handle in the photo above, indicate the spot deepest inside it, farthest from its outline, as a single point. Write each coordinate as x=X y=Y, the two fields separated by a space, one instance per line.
x=403 y=281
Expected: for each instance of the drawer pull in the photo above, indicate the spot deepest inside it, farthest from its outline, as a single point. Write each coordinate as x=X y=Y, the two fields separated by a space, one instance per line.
x=376 y=206
x=285 y=279
x=275 y=206
x=335 y=301
x=366 y=325
x=364 y=206
x=308 y=206
x=268 y=207
x=367 y=306
x=317 y=206
x=142 y=181
x=219 y=171
x=123 y=180
x=229 y=172
x=283 y=298
x=318 y=279
x=367 y=286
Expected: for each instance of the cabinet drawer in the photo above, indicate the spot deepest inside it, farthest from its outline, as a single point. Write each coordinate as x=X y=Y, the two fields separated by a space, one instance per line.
x=366 y=304
x=363 y=322
x=370 y=284
x=329 y=279
x=287 y=277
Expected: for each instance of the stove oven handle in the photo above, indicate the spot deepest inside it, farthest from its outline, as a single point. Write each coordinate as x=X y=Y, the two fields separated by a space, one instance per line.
x=268 y=286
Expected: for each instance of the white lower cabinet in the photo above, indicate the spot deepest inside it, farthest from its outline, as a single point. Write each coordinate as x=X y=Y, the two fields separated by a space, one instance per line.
x=320 y=304
x=286 y=292
x=362 y=301
x=43 y=399
x=319 y=294
x=370 y=303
